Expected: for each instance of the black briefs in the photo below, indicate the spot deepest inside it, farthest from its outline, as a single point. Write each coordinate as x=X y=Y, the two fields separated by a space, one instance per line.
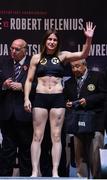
x=49 y=101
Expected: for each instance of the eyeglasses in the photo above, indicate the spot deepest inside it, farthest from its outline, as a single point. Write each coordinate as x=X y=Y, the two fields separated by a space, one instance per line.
x=16 y=49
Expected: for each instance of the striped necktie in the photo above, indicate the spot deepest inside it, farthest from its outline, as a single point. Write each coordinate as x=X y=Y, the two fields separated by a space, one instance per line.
x=17 y=70
x=79 y=85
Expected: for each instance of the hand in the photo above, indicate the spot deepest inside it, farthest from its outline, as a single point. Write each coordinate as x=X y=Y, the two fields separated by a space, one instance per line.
x=69 y=104
x=7 y=83
x=27 y=105
x=16 y=86
x=89 y=31
x=82 y=102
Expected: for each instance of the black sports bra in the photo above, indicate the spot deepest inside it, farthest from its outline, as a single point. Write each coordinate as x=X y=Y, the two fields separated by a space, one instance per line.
x=50 y=66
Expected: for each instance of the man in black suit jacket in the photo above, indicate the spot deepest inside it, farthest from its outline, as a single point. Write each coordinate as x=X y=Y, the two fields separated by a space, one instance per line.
x=16 y=124
x=90 y=93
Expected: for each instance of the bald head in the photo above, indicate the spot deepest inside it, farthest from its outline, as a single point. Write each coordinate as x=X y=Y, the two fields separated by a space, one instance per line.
x=18 y=49
x=20 y=42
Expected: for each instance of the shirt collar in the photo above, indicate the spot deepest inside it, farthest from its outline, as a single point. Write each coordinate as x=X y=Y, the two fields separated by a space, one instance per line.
x=21 y=62
x=85 y=74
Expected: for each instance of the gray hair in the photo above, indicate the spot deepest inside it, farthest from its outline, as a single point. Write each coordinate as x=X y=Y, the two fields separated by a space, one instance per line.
x=83 y=61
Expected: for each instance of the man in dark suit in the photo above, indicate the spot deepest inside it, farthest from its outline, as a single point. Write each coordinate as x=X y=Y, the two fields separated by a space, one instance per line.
x=16 y=124
x=88 y=87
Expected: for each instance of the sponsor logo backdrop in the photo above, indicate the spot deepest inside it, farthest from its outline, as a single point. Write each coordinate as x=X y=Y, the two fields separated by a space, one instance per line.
x=31 y=18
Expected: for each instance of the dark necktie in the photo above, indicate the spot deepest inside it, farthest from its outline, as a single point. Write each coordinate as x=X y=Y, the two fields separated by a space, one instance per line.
x=17 y=70
x=79 y=85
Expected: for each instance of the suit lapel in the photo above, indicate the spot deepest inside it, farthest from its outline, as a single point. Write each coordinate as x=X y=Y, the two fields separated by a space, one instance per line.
x=24 y=69
x=85 y=84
